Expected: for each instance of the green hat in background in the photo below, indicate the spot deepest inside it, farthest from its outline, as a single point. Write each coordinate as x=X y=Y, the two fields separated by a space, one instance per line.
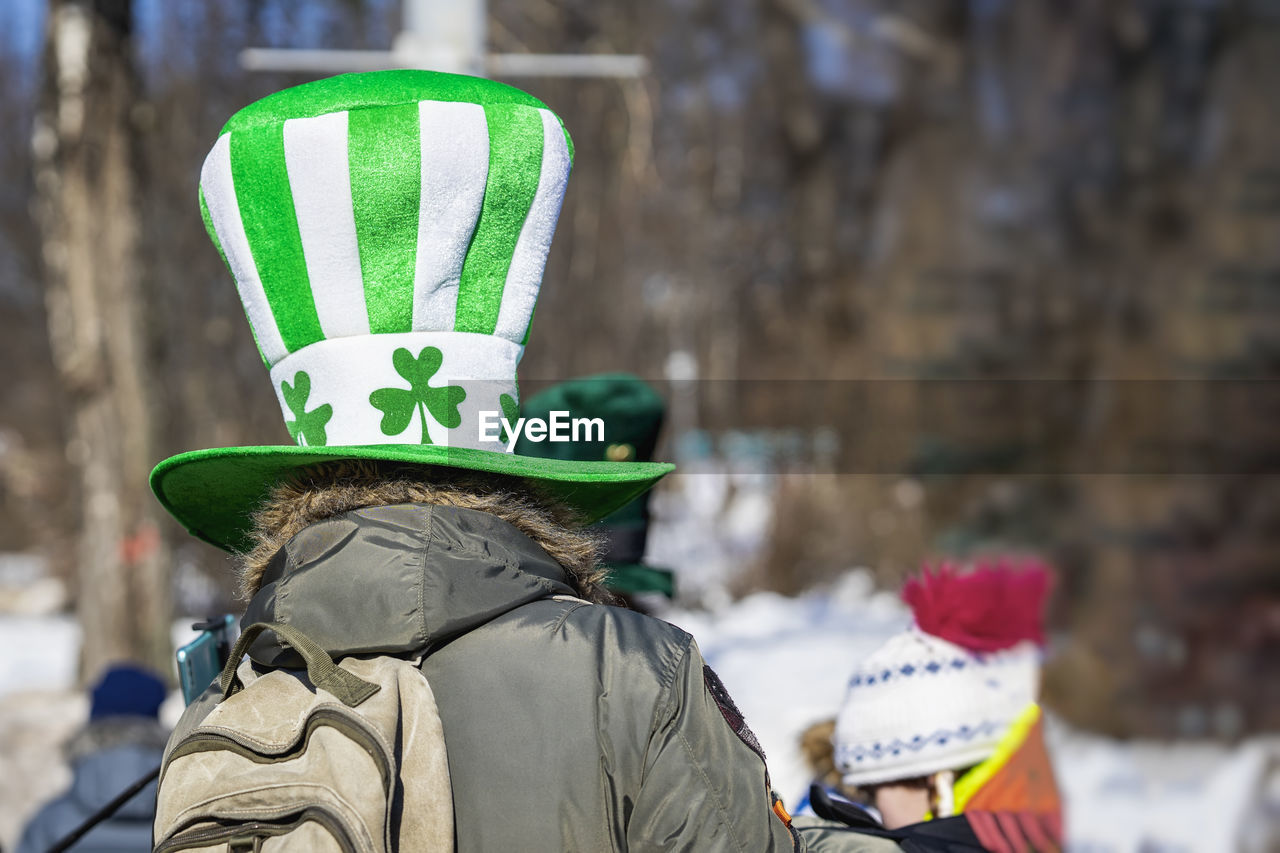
x=387 y=233
x=631 y=414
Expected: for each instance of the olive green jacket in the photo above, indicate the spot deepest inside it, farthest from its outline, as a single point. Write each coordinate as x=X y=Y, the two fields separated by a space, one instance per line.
x=570 y=726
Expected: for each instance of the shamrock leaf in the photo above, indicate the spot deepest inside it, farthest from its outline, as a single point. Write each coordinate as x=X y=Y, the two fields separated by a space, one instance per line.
x=398 y=405
x=309 y=425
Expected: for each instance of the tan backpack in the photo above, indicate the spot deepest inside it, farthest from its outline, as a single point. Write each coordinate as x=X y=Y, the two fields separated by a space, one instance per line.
x=346 y=757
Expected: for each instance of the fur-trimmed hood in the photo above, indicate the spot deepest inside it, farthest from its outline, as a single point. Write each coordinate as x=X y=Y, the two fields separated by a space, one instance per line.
x=398 y=580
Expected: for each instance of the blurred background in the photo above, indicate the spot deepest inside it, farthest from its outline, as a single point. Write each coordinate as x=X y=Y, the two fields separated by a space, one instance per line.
x=917 y=279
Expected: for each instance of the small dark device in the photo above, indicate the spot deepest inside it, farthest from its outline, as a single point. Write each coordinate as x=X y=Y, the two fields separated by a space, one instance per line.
x=201 y=660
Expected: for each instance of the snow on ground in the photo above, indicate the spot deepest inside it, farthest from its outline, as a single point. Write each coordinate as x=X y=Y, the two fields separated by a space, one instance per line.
x=42 y=653
x=1181 y=796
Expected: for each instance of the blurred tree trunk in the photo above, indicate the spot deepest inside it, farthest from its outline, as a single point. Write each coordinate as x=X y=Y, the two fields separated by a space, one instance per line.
x=84 y=145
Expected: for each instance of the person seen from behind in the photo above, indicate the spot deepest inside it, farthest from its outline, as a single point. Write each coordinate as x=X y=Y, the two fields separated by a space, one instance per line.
x=387 y=232
x=121 y=743
x=939 y=742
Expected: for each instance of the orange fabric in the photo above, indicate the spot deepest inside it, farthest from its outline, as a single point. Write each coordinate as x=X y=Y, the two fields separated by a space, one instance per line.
x=1024 y=784
x=1018 y=808
x=781 y=811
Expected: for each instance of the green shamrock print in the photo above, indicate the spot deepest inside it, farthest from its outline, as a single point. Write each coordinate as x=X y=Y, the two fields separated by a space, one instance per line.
x=399 y=404
x=309 y=425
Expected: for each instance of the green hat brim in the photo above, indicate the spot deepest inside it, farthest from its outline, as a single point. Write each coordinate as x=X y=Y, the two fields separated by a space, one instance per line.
x=213 y=493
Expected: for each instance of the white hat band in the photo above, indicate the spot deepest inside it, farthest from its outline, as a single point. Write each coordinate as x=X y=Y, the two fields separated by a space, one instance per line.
x=401 y=388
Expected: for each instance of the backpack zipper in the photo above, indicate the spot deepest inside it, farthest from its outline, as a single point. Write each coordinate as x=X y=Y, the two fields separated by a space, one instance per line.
x=194 y=838
x=202 y=740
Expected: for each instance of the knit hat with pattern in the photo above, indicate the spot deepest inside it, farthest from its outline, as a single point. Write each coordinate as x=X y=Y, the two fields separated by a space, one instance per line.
x=940 y=695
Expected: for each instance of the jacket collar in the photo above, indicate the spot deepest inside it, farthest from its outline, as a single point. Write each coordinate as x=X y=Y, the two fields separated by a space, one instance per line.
x=401 y=579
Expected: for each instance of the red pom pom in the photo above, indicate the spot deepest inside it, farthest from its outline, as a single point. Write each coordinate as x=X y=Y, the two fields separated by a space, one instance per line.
x=994 y=607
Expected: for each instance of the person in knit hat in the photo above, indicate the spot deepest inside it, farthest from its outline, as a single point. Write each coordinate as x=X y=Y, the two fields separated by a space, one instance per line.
x=122 y=741
x=941 y=723
x=387 y=233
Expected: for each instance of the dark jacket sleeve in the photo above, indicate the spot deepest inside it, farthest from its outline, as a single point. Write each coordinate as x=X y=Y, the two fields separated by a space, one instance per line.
x=704 y=788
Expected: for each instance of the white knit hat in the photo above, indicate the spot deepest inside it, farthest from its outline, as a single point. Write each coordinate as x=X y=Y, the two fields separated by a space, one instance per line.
x=940 y=695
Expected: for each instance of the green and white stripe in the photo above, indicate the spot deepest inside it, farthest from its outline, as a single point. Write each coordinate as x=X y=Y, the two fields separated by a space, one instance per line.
x=529 y=256
x=320 y=181
x=356 y=232
x=451 y=201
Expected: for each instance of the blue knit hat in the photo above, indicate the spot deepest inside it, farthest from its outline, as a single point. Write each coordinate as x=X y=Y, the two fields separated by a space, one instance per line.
x=126 y=690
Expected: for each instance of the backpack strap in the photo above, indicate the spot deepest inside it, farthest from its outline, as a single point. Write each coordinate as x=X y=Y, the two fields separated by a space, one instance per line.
x=350 y=689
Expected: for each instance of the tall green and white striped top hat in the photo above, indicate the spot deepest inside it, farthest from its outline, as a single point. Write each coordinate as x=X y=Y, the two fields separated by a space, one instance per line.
x=387 y=233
